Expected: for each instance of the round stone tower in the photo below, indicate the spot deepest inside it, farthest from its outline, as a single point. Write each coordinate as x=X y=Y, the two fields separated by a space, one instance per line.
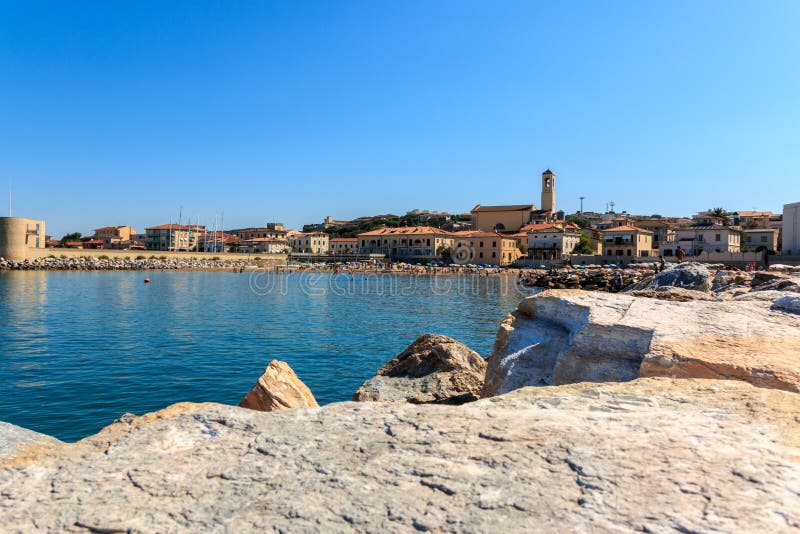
x=13 y=238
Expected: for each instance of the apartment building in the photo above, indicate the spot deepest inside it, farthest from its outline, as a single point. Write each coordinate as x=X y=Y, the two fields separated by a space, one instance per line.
x=114 y=236
x=174 y=237
x=628 y=241
x=479 y=247
x=265 y=245
x=408 y=243
x=757 y=239
x=343 y=246
x=552 y=241
x=310 y=243
x=698 y=239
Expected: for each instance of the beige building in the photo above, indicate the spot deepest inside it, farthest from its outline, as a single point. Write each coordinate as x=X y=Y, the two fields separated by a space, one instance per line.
x=757 y=239
x=174 y=237
x=476 y=247
x=663 y=232
x=408 y=243
x=343 y=246
x=310 y=243
x=698 y=239
x=271 y=231
x=501 y=218
x=114 y=235
x=627 y=241
x=551 y=241
x=18 y=235
x=265 y=245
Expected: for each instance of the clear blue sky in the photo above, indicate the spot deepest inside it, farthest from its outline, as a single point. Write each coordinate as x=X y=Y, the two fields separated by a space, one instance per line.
x=121 y=112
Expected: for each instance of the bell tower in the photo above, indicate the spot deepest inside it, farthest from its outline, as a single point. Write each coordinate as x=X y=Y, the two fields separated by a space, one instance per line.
x=548 y=191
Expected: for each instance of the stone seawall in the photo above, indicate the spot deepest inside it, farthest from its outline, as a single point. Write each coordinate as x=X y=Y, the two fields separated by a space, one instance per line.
x=116 y=264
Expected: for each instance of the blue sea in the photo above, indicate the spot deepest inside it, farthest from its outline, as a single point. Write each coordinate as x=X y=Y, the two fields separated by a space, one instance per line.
x=79 y=349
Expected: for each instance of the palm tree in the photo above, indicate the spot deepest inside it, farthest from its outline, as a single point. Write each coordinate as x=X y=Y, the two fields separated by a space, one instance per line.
x=718 y=212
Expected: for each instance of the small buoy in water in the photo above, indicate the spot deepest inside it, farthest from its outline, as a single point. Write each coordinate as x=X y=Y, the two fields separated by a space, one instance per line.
x=146 y=280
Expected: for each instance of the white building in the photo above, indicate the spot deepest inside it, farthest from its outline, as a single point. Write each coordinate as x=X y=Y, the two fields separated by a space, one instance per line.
x=266 y=245
x=756 y=239
x=791 y=229
x=696 y=240
x=552 y=241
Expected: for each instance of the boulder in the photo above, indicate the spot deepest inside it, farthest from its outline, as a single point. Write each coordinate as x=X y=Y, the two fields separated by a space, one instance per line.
x=562 y=337
x=16 y=441
x=787 y=303
x=433 y=369
x=653 y=455
x=277 y=389
x=770 y=281
x=694 y=276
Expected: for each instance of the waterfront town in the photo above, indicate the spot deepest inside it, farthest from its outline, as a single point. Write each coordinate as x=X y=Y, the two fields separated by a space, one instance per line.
x=519 y=235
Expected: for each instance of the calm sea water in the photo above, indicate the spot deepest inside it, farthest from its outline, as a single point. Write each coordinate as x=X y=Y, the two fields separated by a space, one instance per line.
x=79 y=349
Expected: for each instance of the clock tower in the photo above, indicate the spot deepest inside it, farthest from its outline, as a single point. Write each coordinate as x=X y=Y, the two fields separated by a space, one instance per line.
x=548 y=191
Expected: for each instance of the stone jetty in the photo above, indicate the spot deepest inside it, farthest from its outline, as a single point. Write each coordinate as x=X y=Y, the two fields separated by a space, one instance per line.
x=116 y=264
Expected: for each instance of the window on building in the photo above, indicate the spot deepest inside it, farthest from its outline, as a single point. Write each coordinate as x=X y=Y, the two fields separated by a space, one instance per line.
x=480 y=244
x=480 y=254
x=718 y=237
x=494 y=244
x=763 y=239
x=494 y=254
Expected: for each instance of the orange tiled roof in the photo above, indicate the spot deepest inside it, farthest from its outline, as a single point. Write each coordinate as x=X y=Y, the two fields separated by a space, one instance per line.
x=106 y=228
x=754 y=213
x=344 y=240
x=626 y=228
x=538 y=227
x=176 y=227
x=407 y=230
x=479 y=233
x=512 y=207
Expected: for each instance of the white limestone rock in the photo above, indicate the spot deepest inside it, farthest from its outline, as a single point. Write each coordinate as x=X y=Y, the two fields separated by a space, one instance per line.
x=652 y=455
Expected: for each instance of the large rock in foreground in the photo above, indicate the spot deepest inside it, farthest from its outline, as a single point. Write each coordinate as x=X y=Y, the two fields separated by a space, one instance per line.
x=652 y=455
x=433 y=369
x=277 y=389
x=562 y=337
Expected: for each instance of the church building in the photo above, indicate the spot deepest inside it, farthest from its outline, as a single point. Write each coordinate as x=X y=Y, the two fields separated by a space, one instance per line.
x=509 y=219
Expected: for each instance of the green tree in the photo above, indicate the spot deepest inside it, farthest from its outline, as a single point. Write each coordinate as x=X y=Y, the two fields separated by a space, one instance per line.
x=577 y=219
x=584 y=246
x=74 y=236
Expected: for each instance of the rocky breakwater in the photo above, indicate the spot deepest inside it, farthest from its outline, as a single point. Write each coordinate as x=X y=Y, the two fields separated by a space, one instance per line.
x=562 y=337
x=651 y=455
x=434 y=369
x=593 y=279
x=115 y=264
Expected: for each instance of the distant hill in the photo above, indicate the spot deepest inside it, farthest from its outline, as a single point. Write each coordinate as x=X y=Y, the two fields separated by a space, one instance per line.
x=445 y=221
